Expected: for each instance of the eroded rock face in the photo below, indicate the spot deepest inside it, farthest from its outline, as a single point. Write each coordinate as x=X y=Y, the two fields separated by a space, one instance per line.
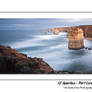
x=62 y=29
x=56 y=31
x=88 y=31
x=11 y=61
x=75 y=37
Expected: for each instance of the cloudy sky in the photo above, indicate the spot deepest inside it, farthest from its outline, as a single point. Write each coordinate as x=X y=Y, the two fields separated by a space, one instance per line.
x=22 y=24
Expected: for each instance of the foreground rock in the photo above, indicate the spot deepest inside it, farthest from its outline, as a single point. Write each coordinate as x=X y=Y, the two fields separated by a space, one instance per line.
x=11 y=61
x=66 y=72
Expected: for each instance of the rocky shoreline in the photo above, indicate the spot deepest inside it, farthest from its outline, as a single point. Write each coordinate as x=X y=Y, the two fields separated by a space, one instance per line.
x=13 y=62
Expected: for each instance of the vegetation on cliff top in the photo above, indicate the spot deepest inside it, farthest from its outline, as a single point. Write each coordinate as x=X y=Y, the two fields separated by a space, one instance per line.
x=11 y=62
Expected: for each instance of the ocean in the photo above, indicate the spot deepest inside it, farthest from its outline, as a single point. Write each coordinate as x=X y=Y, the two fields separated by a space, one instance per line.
x=28 y=37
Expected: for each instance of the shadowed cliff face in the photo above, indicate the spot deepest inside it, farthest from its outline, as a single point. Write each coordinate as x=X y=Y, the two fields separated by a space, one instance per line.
x=75 y=37
x=88 y=31
x=11 y=61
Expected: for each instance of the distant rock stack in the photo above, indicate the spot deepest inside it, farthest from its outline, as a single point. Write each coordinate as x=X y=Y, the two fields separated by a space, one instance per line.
x=56 y=31
x=76 y=38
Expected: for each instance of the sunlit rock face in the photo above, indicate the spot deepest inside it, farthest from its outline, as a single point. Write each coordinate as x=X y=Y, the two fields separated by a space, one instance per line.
x=56 y=31
x=87 y=30
x=75 y=37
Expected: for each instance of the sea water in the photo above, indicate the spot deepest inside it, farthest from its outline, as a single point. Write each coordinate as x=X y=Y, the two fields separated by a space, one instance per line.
x=28 y=36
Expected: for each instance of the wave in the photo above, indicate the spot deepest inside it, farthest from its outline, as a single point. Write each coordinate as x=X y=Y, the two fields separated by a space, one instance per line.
x=46 y=37
x=36 y=40
x=58 y=46
x=46 y=50
x=87 y=43
x=50 y=37
x=26 y=43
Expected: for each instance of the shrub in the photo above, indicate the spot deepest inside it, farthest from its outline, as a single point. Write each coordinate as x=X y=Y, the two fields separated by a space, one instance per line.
x=7 y=64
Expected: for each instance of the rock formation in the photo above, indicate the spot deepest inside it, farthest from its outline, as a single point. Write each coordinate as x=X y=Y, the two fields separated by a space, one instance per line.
x=55 y=31
x=87 y=30
x=11 y=61
x=63 y=29
x=75 y=37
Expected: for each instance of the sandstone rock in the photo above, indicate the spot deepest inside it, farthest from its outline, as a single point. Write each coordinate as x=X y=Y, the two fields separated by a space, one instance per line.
x=87 y=30
x=75 y=37
x=56 y=31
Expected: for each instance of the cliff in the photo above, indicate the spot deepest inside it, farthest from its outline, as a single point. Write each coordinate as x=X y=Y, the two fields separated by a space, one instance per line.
x=62 y=29
x=11 y=61
x=87 y=30
x=56 y=31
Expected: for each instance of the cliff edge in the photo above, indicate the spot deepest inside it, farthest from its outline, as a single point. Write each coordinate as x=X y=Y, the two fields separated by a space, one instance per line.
x=11 y=61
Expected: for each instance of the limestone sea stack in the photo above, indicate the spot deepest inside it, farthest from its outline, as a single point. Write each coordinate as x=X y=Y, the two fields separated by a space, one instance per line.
x=76 y=38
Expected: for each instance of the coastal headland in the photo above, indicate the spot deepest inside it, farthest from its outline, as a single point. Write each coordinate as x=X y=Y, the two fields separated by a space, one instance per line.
x=87 y=30
x=76 y=35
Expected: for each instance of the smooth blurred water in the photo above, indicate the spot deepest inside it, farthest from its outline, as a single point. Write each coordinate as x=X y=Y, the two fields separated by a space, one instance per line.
x=52 y=48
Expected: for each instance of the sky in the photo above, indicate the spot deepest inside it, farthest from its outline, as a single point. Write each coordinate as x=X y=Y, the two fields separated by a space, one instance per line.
x=22 y=24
